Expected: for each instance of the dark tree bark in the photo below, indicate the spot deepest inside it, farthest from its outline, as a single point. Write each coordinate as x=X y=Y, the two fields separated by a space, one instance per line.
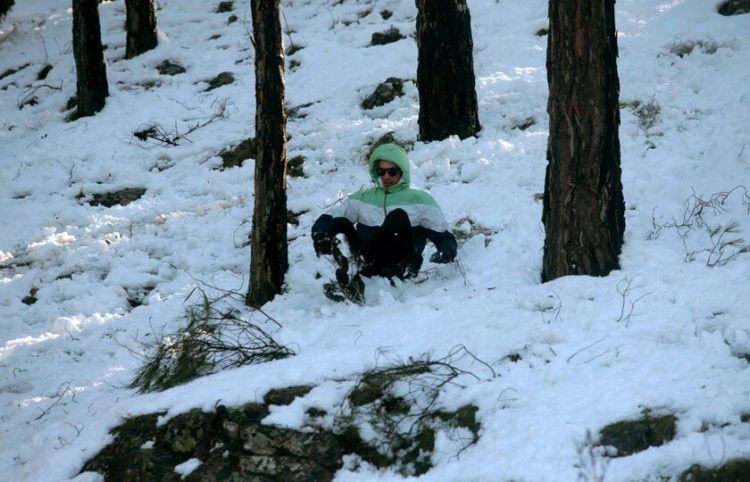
x=445 y=70
x=91 y=71
x=5 y=6
x=140 y=25
x=269 y=254
x=584 y=209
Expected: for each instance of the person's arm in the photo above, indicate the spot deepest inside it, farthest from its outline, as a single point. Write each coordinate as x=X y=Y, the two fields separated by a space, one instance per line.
x=446 y=245
x=341 y=220
x=437 y=230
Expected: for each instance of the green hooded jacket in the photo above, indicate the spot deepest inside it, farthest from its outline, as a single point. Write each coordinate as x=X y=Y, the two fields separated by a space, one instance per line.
x=368 y=207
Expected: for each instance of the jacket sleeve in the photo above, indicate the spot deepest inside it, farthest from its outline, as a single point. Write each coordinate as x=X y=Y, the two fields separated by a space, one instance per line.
x=348 y=209
x=438 y=230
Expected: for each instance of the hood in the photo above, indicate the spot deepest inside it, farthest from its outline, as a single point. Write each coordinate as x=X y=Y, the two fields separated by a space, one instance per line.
x=392 y=153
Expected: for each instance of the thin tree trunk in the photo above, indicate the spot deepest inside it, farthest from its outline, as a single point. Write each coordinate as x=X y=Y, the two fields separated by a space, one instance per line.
x=140 y=25
x=269 y=257
x=445 y=70
x=584 y=209
x=91 y=71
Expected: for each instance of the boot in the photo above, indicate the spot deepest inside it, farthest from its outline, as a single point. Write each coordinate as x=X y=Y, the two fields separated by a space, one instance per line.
x=348 y=286
x=353 y=291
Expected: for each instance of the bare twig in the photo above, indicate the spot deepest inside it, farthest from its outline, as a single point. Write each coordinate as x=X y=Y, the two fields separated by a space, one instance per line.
x=401 y=402
x=625 y=288
x=577 y=352
x=174 y=137
x=217 y=336
x=29 y=97
x=63 y=391
x=724 y=241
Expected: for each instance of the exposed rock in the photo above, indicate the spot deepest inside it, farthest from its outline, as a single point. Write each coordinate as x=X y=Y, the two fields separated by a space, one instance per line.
x=12 y=71
x=294 y=166
x=734 y=7
x=167 y=67
x=235 y=156
x=224 y=78
x=732 y=471
x=122 y=197
x=633 y=436
x=389 y=36
x=384 y=93
x=225 y=6
x=233 y=444
x=44 y=72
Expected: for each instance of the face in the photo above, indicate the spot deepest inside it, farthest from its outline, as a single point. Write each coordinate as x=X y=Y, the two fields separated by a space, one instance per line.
x=387 y=179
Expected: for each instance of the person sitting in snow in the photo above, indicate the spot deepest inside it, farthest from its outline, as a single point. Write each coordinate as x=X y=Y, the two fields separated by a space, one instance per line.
x=386 y=228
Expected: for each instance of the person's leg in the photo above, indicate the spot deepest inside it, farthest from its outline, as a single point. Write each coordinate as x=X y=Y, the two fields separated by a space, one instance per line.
x=396 y=239
x=345 y=227
x=350 y=285
x=392 y=251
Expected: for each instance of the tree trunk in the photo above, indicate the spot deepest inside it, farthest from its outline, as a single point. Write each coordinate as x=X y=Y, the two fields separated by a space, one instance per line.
x=91 y=72
x=269 y=257
x=140 y=24
x=584 y=209
x=445 y=70
x=5 y=6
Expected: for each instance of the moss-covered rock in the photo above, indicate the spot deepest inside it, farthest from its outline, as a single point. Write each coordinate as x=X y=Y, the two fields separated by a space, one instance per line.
x=384 y=93
x=167 y=67
x=389 y=36
x=123 y=197
x=224 y=78
x=231 y=443
x=235 y=156
x=734 y=7
x=632 y=436
x=732 y=471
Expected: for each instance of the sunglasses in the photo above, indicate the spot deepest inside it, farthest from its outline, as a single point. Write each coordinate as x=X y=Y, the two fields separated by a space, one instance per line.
x=392 y=171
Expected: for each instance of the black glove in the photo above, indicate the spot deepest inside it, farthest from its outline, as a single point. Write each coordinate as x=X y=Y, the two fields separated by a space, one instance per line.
x=441 y=257
x=321 y=243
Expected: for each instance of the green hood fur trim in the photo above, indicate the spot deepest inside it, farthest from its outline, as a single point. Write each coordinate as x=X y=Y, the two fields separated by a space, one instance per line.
x=392 y=153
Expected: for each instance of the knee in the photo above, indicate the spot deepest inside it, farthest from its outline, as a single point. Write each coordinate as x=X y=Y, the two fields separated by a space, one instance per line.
x=397 y=217
x=340 y=225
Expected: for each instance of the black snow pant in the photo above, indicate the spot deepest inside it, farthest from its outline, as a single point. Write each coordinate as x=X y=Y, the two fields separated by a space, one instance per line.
x=390 y=250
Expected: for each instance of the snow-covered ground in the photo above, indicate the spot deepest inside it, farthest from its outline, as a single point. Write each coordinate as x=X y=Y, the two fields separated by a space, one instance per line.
x=669 y=332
